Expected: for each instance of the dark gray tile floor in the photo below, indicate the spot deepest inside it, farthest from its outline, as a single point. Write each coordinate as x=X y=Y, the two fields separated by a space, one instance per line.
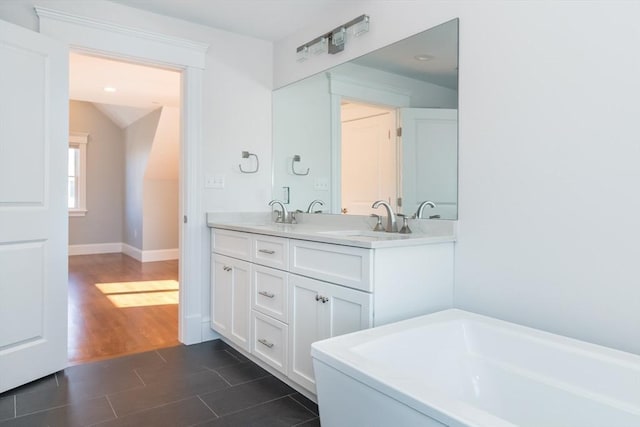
x=207 y=384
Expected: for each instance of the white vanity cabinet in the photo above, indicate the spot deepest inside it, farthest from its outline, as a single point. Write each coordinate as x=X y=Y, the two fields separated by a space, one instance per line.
x=231 y=311
x=278 y=294
x=321 y=310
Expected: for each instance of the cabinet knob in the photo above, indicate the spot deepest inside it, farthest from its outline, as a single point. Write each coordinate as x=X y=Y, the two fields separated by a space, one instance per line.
x=226 y=268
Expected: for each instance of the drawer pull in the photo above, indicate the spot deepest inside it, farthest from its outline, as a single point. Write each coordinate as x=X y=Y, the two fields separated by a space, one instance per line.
x=267 y=294
x=267 y=251
x=265 y=342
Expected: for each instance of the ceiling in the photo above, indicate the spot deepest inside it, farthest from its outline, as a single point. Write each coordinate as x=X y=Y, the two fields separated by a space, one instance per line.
x=270 y=20
x=138 y=89
x=141 y=89
x=439 y=48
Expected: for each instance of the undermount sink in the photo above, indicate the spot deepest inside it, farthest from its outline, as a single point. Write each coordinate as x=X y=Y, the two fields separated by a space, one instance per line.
x=365 y=234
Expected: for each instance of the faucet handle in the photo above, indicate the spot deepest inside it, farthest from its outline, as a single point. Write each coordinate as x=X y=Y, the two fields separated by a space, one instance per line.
x=378 y=226
x=405 y=224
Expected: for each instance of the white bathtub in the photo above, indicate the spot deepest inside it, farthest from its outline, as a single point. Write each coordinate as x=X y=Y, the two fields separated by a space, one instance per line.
x=456 y=368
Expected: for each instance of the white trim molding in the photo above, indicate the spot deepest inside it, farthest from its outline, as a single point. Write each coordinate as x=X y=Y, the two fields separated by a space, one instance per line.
x=104 y=38
x=132 y=251
x=160 y=255
x=95 y=248
x=95 y=34
x=80 y=140
x=119 y=247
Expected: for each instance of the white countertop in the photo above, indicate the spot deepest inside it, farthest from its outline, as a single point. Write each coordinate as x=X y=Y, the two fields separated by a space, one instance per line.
x=331 y=229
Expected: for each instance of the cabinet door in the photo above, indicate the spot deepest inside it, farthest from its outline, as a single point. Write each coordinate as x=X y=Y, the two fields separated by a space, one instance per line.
x=305 y=327
x=346 y=311
x=231 y=300
x=320 y=310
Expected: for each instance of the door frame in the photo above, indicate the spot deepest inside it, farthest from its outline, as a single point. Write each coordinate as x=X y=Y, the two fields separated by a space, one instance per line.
x=341 y=87
x=103 y=38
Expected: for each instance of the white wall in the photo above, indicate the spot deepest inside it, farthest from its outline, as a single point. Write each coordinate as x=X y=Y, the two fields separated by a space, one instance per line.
x=236 y=114
x=302 y=126
x=549 y=156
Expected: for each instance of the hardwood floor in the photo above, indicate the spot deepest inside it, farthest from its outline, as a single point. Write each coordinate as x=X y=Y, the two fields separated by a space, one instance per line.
x=120 y=306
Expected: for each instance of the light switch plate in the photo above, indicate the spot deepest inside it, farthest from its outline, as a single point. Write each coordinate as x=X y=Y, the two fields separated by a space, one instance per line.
x=321 y=184
x=214 y=181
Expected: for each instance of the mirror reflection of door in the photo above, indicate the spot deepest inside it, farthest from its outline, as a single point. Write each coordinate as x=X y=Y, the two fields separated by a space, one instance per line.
x=369 y=157
x=430 y=154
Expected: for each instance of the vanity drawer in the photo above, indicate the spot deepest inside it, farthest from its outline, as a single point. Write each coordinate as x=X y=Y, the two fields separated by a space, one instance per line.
x=269 y=292
x=270 y=251
x=344 y=265
x=231 y=243
x=270 y=341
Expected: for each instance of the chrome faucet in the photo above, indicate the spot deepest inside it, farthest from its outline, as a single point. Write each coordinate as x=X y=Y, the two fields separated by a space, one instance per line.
x=283 y=216
x=392 y=225
x=312 y=204
x=418 y=213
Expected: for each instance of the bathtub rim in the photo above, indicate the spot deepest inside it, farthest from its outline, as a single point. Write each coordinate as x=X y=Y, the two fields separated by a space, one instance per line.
x=336 y=353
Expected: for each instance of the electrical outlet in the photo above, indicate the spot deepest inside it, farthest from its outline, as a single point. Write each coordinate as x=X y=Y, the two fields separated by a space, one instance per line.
x=321 y=184
x=214 y=181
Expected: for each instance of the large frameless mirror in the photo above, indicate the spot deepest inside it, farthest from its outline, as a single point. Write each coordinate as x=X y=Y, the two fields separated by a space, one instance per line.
x=380 y=127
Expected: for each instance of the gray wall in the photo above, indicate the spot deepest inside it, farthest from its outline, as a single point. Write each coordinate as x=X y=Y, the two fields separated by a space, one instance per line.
x=103 y=222
x=160 y=224
x=139 y=140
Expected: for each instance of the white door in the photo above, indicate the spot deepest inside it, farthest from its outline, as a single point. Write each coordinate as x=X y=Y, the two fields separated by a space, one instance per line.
x=368 y=163
x=429 y=158
x=33 y=206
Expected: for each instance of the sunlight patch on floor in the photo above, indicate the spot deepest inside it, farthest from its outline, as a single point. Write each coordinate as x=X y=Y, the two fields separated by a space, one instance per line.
x=141 y=294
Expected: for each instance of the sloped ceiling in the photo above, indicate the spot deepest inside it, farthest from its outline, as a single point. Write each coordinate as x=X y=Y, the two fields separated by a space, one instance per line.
x=122 y=115
x=138 y=89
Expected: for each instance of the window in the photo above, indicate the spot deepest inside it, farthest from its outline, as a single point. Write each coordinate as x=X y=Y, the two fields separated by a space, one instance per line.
x=77 y=182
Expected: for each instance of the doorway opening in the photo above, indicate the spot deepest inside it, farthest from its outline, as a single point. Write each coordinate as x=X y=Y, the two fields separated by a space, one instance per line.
x=124 y=246
x=369 y=153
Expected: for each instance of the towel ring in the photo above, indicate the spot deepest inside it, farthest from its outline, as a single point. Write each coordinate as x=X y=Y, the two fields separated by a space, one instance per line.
x=295 y=159
x=246 y=155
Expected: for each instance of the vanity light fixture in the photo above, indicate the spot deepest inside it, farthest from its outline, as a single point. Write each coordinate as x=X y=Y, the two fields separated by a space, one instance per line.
x=338 y=38
x=109 y=89
x=360 y=27
x=333 y=41
x=302 y=53
x=320 y=46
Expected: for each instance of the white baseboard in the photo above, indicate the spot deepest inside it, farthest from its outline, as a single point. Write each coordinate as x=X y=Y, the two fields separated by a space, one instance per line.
x=208 y=334
x=160 y=255
x=95 y=248
x=133 y=252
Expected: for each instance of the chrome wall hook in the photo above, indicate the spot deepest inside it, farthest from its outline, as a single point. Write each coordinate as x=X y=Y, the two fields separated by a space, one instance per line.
x=295 y=159
x=246 y=155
